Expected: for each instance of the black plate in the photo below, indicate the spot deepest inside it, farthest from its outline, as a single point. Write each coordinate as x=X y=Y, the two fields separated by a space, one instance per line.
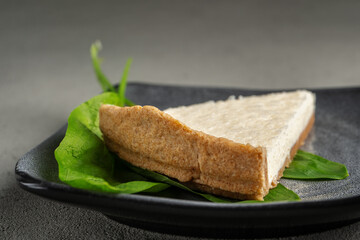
x=325 y=204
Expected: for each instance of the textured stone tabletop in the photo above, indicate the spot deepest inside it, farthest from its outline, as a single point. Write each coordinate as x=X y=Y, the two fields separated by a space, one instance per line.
x=45 y=71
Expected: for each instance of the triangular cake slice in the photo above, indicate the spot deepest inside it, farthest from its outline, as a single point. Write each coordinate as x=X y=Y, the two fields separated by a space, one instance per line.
x=236 y=148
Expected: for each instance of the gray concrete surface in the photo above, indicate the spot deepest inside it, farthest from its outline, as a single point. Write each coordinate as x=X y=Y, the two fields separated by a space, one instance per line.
x=45 y=72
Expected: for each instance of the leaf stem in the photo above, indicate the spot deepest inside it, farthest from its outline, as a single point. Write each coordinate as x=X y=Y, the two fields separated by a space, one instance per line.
x=122 y=85
x=102 y=79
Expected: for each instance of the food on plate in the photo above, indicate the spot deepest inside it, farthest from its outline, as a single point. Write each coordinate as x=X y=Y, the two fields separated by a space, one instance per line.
x=236 y=148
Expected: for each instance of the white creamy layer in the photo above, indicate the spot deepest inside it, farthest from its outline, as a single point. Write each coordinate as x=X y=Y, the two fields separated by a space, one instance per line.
x=274 y=121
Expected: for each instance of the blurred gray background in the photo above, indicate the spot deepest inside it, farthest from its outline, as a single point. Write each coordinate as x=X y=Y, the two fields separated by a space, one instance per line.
x=45 y=71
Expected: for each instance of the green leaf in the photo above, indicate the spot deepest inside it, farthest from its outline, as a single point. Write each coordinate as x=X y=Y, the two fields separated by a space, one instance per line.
x=102 y=79
x=123 y=82
x=85 y=162
x=310 y=166
x=129 y=102
x=88 y=112
x=279 y=193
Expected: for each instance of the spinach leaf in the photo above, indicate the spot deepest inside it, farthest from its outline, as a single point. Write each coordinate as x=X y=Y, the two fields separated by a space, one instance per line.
x=279 y=193
x=83 y=159
x=310 y=166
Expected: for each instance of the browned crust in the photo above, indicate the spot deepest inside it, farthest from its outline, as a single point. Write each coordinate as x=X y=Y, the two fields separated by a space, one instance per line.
x=152 y=139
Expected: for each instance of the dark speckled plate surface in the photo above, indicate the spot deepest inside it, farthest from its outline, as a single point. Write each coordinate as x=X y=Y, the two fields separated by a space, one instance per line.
x=325 y=204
